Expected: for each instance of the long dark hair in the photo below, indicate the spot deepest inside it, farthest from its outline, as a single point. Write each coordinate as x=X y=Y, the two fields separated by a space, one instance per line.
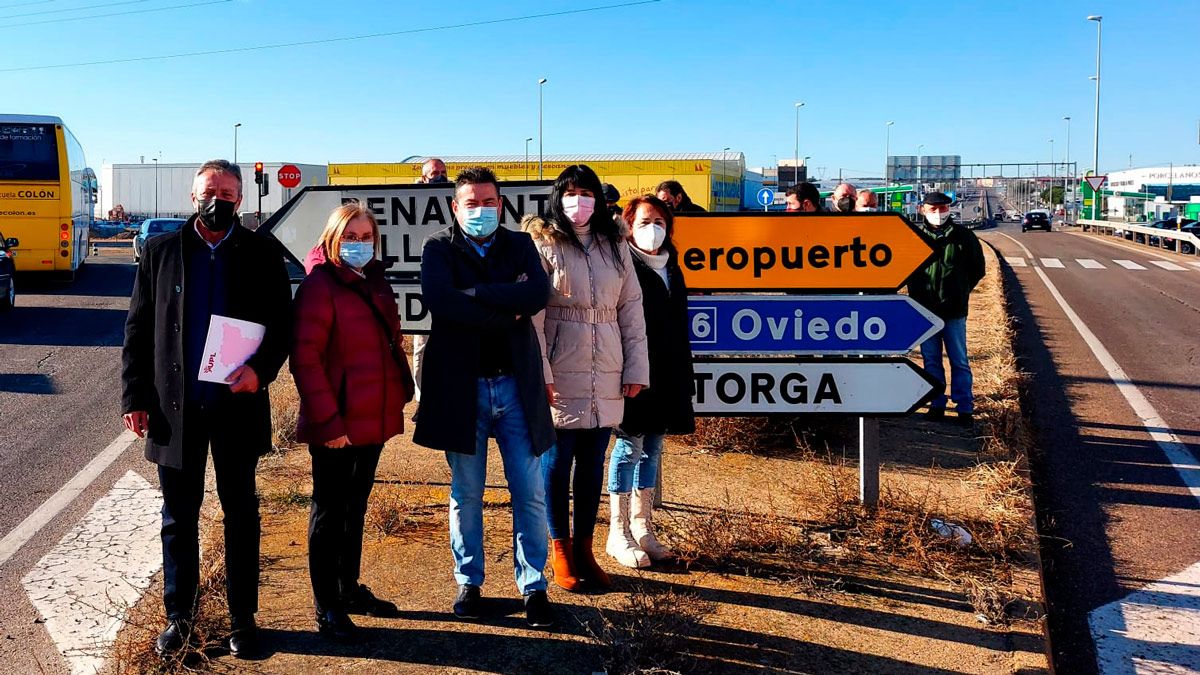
x=602 y=224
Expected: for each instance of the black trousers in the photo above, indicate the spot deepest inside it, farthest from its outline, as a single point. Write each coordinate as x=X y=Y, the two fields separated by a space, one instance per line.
x=342 y=482
x=183 y=493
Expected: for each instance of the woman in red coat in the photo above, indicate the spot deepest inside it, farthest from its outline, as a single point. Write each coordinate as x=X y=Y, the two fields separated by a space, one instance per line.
x=353 y=380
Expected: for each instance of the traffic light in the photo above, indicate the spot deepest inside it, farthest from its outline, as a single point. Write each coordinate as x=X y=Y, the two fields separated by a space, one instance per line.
x=264 y=185
x=258 y=173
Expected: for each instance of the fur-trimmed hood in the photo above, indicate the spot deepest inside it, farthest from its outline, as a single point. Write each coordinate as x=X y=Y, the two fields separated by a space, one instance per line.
x=541 y=229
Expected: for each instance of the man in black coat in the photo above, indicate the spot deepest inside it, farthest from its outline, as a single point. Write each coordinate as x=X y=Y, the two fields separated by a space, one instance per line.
x=482 y=377
x=211 y=267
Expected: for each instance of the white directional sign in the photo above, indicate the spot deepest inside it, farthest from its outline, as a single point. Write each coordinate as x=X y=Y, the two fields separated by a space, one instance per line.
x=414 y=318
x=733 y=387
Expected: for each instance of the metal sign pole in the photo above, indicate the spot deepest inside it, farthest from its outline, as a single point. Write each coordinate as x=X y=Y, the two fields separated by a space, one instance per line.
x=868 y=461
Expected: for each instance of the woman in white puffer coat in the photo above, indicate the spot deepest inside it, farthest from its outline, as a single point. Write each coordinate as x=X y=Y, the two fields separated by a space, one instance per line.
x=593 y=337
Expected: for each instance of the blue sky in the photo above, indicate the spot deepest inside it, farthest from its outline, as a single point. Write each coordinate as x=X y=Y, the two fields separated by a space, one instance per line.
x=990 y=81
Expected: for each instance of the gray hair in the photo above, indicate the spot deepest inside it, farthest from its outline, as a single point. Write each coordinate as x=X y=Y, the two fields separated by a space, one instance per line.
x=221 y=166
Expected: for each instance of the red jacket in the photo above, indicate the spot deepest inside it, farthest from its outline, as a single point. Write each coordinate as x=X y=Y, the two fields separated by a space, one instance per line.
x=349 y=383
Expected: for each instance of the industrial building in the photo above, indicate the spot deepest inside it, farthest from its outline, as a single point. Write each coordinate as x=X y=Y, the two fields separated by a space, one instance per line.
x=712 y=180
x=1168 y=190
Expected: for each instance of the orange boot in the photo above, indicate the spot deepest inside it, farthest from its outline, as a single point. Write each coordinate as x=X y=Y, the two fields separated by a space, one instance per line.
x=562 y=561
x=586 y=566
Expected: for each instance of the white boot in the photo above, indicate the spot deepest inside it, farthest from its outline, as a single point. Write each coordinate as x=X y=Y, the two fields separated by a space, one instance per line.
x=621 y=544
x=642 y=528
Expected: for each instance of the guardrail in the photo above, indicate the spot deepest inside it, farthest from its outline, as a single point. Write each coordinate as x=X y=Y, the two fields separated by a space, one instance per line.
x=1170 y=240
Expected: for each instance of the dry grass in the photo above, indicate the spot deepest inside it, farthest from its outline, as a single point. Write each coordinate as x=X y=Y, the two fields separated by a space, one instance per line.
x=806 y=435
x=393 y=511
x=649 y=630
x=285 y=410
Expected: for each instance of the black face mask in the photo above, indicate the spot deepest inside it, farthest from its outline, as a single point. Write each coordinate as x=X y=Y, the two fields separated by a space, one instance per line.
x=216 y=214
x=439 y=179
x=845 y=204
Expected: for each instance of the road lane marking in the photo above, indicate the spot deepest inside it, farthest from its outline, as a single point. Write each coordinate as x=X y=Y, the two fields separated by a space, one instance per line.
x=1015 y=262
x=1121 y=636
x=1052 y=262
x=1138 y=248
x=1129 y=265
x=21 y=534
x=1195 y=264
x=84 y=585
x=1168 y=265
x=1088 y=263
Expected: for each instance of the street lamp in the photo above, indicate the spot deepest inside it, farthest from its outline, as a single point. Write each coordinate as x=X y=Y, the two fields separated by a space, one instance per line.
x=540 y=83
x=155 y=160
x=235 y=128
x=1068 y=175
x=887 y=150
x=796 y=157
x=919 y=155
x=722 y=183
x=1096 y=124
x=1050 y=190
x=527 y=157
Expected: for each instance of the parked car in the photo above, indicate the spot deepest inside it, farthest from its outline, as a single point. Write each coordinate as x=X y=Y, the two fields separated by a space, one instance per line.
x=1168 y=224
x=1038 y=219
x=152 y=227
x=8 y=287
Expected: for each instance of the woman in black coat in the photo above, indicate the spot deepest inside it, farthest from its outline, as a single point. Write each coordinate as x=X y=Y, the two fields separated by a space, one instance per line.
x=665 y=407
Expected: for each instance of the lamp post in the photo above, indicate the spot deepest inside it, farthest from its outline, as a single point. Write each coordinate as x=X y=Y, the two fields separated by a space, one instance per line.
x=1068 y=175
x=155 y=160
x=1050 y=190
x=796 y=156
x=920 y=147
x=527 y=157
x=235 y=128
x=887 y=150
x=540 y=83
x=1096 y=123
x=722 y=183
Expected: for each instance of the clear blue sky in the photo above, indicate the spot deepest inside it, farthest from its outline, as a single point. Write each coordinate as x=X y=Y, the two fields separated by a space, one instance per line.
x=990 y=81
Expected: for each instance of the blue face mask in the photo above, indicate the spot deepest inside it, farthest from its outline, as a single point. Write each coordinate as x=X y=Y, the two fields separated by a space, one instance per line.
x=480 y=221
x=357 y=253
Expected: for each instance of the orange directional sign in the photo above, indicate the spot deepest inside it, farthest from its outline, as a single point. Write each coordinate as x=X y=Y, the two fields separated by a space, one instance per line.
x=793 y=251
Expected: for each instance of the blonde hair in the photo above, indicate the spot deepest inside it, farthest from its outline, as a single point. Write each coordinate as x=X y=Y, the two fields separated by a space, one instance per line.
x=331 y=236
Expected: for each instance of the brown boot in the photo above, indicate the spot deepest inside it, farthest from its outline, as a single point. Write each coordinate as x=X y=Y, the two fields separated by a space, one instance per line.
x=562 y=561
x=586 y=566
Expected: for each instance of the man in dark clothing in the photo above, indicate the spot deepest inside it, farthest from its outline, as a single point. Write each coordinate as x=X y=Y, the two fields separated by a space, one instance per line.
x=672 y=192
x=944 y=287
x=211 y=267
x=483 y=378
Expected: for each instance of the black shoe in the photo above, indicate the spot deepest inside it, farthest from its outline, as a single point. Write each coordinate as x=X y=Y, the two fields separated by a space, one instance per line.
x=539 y=613
x=173 y=638
x=965 y=419
x=337 y=626
x=935 y=414
x=243 y=638
x=469 y=603
x=362 y=601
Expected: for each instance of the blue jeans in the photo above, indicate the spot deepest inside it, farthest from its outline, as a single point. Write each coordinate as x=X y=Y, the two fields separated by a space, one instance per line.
x=499 y=415
x=634 y=460
x=954 y=337
x=584 y=448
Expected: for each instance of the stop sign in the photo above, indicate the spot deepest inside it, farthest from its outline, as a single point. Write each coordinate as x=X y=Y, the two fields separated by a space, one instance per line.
x=289 y=175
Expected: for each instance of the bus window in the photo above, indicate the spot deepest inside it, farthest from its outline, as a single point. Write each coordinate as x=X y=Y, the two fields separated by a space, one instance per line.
x=28 y=152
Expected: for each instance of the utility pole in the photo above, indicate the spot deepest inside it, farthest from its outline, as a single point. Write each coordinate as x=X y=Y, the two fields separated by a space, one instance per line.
x=541 y=82
x=1096 y=125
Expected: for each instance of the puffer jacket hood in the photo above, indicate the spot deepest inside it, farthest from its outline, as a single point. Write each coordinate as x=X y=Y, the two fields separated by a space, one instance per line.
x=592 y=332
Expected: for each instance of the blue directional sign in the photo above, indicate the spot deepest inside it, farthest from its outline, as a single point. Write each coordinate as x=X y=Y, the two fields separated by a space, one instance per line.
x=796 y=324
x=766 y=197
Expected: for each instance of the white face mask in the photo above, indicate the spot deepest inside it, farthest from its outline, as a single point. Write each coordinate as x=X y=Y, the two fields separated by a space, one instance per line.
x=578 y=208
x=649 y=236
x=937 y=218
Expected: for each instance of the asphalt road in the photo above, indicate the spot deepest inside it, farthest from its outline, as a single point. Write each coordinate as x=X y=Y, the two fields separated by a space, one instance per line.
x=59 y=408
x=1114 y=513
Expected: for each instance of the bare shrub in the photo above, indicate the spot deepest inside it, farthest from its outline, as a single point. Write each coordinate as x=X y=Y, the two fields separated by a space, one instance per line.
x=285 y=410
x=649 y=630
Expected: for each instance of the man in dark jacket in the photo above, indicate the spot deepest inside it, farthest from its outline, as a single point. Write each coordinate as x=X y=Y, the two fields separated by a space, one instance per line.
x=482 y=377
x=211 y=267
x=944 y=287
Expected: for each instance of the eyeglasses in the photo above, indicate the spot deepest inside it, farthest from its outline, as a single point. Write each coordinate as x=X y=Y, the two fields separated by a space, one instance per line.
x=366 y=238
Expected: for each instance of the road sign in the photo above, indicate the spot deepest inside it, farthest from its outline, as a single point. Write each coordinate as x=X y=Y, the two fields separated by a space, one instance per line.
x=766 y=197
x=831 y=324
x=414 y=317
x=1095 y=182
x=798 y=251
x=289 y=176
x=830 y=385
x=406 y=215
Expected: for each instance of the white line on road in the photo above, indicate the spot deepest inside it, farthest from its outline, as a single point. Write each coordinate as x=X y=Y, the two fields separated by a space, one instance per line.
x=1132 y=248
x=1195 y=264
x=1088 y=263
x=14 y=540
x=1014 y=262
x=1168 y=265
x=1052 y=262
x=1129 y=265
x=84 y=585
x=1119 y=634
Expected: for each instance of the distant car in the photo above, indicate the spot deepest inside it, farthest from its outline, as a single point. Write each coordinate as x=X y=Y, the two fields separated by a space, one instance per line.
x=1168 y=224
x=1038 y=219
x=1016 y=216
x=8 y=287
x=152 y=227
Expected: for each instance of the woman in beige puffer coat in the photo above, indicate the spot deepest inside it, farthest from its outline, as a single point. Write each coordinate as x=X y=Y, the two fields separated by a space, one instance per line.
x=593 y=338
